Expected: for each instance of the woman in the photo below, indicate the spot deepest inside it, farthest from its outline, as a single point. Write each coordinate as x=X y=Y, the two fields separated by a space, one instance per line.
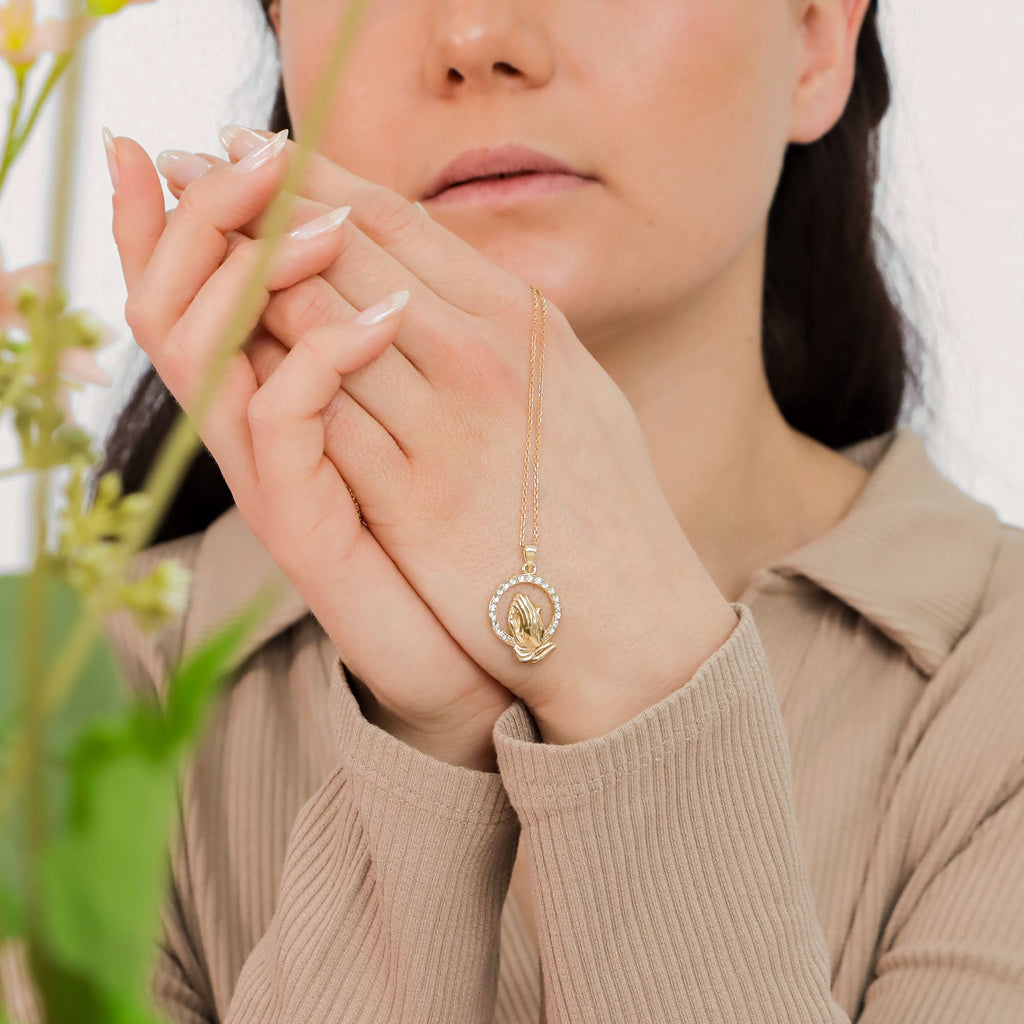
x=771 y=769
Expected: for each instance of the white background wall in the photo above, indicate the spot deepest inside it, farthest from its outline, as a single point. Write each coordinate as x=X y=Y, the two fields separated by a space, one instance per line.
x=952 y=197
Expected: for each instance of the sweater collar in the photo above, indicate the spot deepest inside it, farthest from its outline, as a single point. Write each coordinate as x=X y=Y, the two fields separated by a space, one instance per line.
x=912 y=555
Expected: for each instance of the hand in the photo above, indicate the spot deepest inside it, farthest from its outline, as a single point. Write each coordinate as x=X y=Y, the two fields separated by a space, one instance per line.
x=441 y=491
x=185 y=272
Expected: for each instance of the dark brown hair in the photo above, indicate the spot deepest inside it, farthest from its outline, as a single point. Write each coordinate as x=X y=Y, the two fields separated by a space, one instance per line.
x=842 y=360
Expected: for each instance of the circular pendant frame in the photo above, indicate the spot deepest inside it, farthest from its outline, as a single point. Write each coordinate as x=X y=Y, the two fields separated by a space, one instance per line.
x=537 y=581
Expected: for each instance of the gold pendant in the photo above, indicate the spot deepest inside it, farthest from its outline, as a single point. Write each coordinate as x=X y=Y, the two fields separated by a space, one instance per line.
x=529 y=638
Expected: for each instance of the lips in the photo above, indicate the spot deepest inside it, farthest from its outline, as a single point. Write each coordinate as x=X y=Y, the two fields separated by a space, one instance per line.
x=496 y=161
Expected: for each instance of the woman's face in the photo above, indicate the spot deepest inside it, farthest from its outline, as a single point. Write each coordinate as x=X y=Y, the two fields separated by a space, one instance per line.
x=681 y=111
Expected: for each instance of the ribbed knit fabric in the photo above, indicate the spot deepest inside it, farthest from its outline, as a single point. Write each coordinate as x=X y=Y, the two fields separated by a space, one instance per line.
x=825 y=823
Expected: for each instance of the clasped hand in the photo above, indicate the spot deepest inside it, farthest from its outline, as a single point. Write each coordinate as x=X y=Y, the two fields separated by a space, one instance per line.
x=423 y=415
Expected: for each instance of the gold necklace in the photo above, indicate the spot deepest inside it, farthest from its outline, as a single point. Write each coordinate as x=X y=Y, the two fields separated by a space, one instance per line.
x=529 y=638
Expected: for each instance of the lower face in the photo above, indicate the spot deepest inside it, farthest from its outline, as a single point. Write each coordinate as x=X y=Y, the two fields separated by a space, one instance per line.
x=679 y=109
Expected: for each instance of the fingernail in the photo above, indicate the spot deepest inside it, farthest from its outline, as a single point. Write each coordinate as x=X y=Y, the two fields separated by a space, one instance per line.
x=112 y=164
x=251 y=138
x=320 y=226
x=383 y=309
x=422 y=208
x=181 y=167
x=267 y=151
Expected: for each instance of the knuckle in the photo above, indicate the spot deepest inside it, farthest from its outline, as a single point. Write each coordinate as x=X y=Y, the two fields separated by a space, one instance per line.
x=190 y=202
x=175 y=365
x=135 y=308
x=336 y=418
x=321 y=344
x=245 y=255
x=260 y=412
x=393 y=219
x=486 y=373
x=305 y=306
x=516 y=306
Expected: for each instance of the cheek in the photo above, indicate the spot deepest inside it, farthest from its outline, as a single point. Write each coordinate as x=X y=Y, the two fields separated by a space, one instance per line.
x=698 y=116
x=360 y=130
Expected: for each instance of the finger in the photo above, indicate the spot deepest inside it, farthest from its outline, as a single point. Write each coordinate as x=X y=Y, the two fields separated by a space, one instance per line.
x=139 y=217
x=225 y=433
x=287 y=426
x=265 y=354
x=388 y=387
x=354 y=439
x=186 y=354
x=446 y=264
x=193 y=243
x=180 y=168
x=312 y=302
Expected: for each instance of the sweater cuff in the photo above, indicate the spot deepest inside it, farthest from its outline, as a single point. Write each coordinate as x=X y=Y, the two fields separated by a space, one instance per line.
x=540 y=775
x=373 y=757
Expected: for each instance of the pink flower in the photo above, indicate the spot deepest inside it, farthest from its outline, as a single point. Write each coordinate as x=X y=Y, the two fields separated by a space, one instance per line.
x=76 y=364
x=38 y=276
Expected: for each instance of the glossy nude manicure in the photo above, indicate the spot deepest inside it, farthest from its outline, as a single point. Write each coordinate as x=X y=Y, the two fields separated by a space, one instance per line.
x=230 y=132
x=383 y=309
x=181 y=167
x=112 y=165
x=321 y=225
x=258 y=157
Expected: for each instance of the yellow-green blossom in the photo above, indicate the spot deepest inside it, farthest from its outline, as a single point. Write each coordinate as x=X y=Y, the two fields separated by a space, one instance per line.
x=24 y=39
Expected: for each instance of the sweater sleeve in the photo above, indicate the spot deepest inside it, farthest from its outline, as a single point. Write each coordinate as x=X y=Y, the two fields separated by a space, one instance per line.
x=668 y=875
x=670 y=883
x=391 y=891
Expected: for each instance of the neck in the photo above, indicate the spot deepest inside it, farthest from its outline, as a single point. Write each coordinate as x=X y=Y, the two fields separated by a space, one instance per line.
x=745 y=486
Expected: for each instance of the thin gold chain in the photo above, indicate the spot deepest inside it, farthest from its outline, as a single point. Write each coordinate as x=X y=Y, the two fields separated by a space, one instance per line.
x=538 y=302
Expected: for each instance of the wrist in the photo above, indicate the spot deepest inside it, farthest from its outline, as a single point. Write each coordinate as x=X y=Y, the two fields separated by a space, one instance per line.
x=600 y=705
x=475 y=753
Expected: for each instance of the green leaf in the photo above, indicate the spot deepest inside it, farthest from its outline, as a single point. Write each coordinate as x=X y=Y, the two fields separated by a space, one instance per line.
x=194 y=685
x=82 y=706
x=105 y=878
x=102 y=882
x=104 y=693
x=69 y=996
x=110 y=770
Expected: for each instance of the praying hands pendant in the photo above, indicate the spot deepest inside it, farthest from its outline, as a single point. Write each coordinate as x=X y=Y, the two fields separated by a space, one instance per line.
x=527 y=634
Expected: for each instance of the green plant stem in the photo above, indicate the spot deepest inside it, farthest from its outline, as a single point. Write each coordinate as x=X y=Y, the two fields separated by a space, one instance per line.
x=31 y=671
x=10 y=142
x=18 y=136
x=60 y=64
x=33 y=667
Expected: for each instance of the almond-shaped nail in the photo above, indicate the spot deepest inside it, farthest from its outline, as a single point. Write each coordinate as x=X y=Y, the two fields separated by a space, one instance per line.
x=383 y=309
x=181 y=167
x=321 y=225
x=258 y=157
x=112 y=164
x=251 y=138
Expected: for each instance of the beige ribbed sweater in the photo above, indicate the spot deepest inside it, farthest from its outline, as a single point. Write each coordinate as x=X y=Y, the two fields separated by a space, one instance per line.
x=825 y=823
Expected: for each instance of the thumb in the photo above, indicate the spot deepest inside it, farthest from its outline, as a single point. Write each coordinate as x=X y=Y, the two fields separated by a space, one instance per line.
x=139 y=214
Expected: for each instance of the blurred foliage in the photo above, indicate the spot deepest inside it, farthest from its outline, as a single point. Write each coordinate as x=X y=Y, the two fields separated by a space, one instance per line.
x=89 y=765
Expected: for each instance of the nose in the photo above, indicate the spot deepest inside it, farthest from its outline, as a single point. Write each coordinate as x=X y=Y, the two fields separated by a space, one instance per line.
x=482 y=45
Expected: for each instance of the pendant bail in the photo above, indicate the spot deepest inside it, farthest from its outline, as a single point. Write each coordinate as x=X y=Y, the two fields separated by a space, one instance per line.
x=530 y=554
